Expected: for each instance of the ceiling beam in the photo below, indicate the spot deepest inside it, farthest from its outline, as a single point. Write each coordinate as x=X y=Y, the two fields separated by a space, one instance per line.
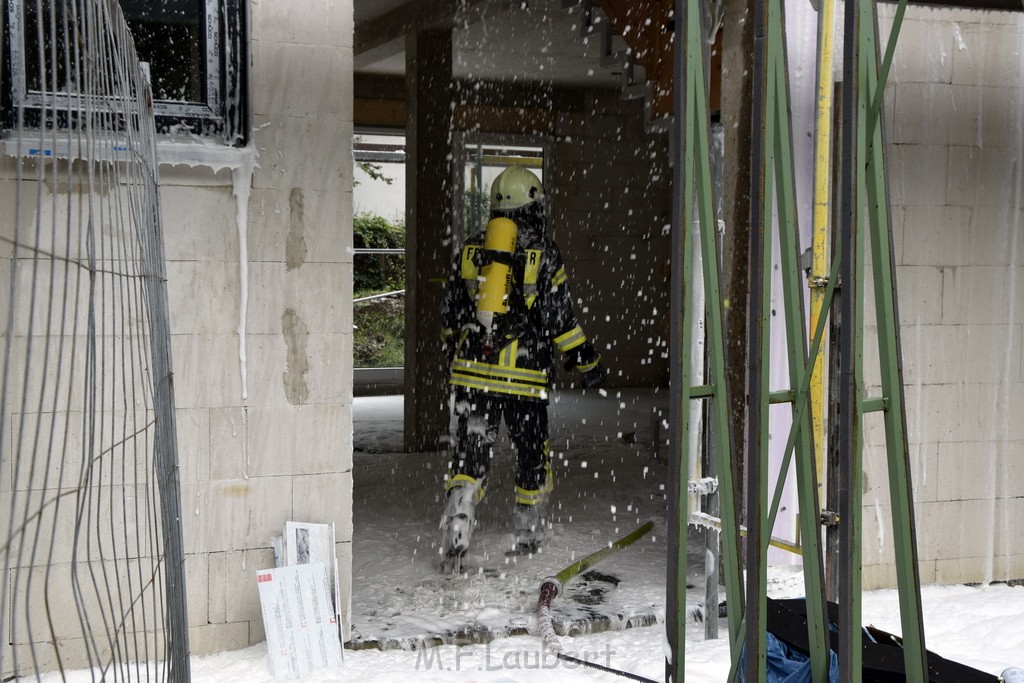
x=384 y=36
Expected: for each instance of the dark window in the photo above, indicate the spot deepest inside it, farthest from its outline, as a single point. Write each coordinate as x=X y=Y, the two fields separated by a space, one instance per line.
x=169 y=36
x=195 y=49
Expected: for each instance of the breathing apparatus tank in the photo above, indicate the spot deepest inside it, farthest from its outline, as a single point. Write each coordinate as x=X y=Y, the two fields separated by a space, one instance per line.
x=496 y=275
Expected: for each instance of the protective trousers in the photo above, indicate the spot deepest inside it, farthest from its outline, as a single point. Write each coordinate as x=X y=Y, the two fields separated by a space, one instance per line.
x=479 y=416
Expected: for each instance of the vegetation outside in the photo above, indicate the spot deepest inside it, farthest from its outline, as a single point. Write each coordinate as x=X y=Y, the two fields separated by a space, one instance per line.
x=379 y=336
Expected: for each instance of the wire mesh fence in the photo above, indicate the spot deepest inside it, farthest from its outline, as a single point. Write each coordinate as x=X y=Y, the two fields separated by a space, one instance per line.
x=90 y=536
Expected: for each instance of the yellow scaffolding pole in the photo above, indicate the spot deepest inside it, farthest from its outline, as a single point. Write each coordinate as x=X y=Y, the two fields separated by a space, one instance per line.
x=508 y=160
x=818 y=278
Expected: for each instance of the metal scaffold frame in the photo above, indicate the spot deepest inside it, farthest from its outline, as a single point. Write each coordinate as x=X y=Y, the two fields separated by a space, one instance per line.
x=692 y=183
x=773 y=185
x=863 y=183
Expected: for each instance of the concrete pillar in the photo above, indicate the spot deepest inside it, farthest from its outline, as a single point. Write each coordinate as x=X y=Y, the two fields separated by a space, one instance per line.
x=428 y=220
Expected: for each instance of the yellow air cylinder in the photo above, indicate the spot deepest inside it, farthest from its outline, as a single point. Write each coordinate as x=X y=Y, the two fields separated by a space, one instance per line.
x=495 y=277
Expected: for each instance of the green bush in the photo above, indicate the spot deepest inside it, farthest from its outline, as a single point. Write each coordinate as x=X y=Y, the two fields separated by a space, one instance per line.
x=378 y=272
x=379 y=337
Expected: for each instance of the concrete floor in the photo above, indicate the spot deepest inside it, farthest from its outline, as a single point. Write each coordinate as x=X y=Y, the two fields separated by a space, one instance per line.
x=609 y=480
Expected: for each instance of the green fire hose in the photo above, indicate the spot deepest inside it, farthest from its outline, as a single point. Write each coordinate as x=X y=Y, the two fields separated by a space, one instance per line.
x=552 y=586
x=577 y=568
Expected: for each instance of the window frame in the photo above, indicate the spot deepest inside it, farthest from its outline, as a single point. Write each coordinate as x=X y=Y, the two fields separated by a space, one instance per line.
x=223 y=114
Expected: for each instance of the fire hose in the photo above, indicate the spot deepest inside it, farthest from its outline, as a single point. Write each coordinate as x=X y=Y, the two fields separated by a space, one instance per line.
x=552 y=586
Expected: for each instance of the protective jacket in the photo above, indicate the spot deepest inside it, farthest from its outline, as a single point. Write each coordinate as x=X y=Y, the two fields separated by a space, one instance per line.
x=517 y=359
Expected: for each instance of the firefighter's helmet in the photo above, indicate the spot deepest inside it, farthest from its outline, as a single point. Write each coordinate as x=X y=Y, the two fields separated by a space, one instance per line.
x=515 y=187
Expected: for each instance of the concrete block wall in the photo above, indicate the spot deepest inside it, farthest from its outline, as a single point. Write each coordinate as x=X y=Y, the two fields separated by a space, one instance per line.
x=283 y=452
x=611 y=202
x=956 y=145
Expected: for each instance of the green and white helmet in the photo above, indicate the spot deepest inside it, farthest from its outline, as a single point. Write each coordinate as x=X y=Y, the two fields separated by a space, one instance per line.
x=515 y=187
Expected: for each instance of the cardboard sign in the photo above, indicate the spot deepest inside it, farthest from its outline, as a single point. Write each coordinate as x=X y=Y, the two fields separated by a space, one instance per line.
x=299 y=619
x=303 y=543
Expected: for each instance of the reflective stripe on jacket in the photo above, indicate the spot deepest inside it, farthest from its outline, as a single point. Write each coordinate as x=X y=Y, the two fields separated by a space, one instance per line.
x=520 y=358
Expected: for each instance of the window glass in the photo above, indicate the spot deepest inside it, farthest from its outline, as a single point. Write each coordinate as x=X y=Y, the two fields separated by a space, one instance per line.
x=195 y=49
x=169 y=36
x=56 y=59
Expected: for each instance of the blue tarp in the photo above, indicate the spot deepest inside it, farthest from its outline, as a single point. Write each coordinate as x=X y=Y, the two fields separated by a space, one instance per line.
x=786 y=665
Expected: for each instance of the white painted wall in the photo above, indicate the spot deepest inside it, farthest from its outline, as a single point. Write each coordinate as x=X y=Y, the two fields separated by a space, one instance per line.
x=377 y=196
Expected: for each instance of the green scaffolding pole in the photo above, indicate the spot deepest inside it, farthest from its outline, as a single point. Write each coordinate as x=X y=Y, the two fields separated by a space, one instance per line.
x=773 y=194
x=692 y=191
x=864 y=184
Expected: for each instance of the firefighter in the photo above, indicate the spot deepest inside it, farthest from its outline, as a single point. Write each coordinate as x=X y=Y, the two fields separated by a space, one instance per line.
x=501 y=360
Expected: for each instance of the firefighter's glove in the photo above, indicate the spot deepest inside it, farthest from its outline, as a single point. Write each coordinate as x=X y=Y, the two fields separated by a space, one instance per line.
x=595 y=376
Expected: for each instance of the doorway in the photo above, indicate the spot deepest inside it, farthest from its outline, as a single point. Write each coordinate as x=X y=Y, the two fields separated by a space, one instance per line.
x=480 y=157
x=378 y=262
